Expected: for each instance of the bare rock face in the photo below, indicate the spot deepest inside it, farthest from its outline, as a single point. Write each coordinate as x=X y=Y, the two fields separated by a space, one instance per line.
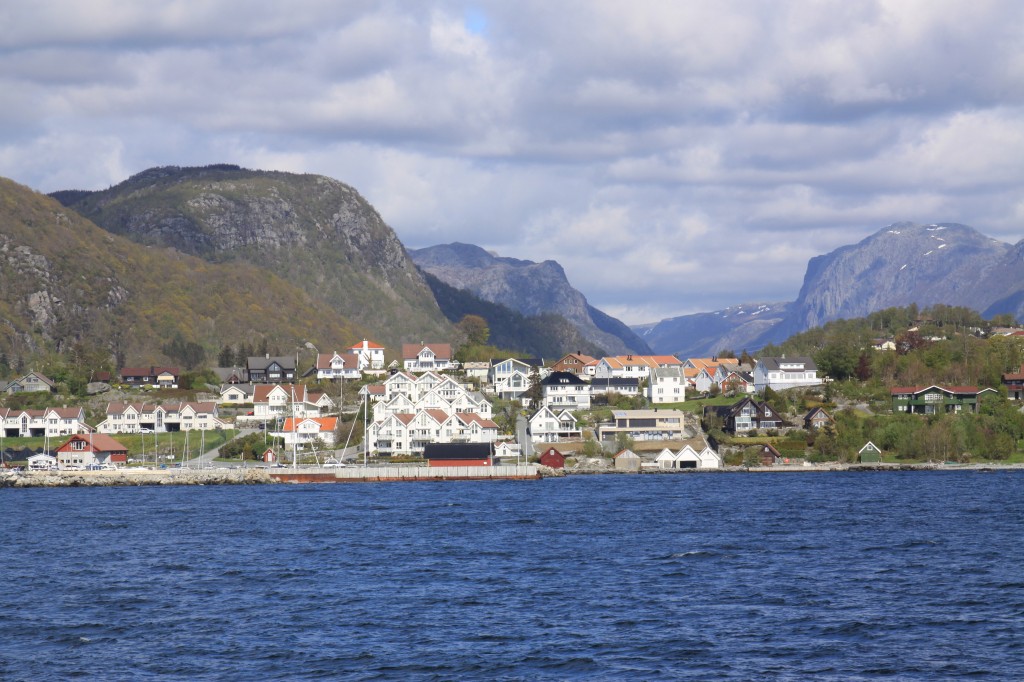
x=906 y=263
x=526 y=287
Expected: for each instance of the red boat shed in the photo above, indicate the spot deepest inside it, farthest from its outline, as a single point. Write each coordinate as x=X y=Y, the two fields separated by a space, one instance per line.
x=553 y=458
x=457 y=454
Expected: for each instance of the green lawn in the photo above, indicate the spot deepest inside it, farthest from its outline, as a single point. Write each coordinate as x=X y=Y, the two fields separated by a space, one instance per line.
x=139 y=444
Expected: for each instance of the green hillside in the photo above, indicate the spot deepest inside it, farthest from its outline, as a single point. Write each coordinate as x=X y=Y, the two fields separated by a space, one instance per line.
x=72 y=288
x=314 y=232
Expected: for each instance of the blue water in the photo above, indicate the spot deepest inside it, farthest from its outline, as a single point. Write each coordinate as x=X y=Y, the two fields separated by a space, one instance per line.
x=845 y=576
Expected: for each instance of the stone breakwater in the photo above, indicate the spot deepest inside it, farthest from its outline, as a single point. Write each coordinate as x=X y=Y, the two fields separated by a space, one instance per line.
x=123 y=477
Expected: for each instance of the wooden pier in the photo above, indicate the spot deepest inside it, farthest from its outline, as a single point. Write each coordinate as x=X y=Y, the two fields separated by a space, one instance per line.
x=407 y=473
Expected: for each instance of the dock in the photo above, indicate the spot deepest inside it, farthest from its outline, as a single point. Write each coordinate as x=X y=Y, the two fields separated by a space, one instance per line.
x=513 y=472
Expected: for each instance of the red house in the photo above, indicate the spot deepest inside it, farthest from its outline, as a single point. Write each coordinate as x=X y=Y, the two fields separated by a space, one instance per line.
x=93 y=448
x=553 y=458
x=457 y=454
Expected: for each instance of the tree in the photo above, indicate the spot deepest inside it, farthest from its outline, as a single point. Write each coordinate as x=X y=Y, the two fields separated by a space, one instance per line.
x=623 y=441
x=188 y=353
x=475 y=328
x=226 y=357
x=535 y=393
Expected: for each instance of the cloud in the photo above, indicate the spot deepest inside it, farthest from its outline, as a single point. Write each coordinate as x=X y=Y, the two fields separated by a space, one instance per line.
x=674 y=157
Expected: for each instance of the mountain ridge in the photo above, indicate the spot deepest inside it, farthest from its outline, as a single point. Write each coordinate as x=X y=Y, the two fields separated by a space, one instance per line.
x=897 y=265
x=316 y=232
x=528 y=287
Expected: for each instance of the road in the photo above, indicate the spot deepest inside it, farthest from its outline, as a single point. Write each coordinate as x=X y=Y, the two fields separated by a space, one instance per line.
x=523 y=436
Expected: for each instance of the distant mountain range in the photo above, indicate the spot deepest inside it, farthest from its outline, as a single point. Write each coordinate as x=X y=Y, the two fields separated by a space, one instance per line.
x=529 y=288
x=900 y=264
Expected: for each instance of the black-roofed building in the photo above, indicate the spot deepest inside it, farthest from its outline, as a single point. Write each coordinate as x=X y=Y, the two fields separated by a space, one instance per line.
x=458 y=454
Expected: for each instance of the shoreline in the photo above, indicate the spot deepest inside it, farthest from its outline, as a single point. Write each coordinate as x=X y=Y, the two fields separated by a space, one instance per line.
x=202 y=477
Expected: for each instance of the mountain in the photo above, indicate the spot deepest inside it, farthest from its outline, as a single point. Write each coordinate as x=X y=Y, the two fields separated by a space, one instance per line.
x=900 y=264
x=70 y=287
x=541 y=336
x=526 y=287
x=906 y=263
x=736 y=328
x=315 y=232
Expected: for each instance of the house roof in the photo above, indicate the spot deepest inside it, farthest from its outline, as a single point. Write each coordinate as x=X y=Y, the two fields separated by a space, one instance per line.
x=650 y=361
x=366 y=345
x=442 y=351
x=37 y=375
x=580 y=358
x=815 y=411
x=99 y=442
x=776 y=364
x=150 y=371
x=262 y=392
x=325 y=423
x=622 y=382
x=472 y=417
x=258 y=362
x=246 y=389
x=562 y=379
x=324 y=360
x=914 y=390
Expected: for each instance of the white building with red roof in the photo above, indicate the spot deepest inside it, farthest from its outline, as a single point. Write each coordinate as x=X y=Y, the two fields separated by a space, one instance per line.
x=426 y=357
x=370 y=354
x=305 y=430
x=50 y=422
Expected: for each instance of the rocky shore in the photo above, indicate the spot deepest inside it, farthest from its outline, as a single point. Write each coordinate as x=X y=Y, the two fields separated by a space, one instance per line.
x=123 y=477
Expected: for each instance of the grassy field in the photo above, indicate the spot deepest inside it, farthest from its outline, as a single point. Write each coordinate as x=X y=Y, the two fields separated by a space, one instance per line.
x=140 y=446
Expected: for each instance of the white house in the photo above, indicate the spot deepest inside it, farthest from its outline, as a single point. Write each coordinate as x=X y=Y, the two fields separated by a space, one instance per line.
x=31 y=382
x=338 y=366
x=53 y=421
x=477 y=370
x=565 y=390
x=633 y=366
x=427 y=357
x=622 y=385
x=550 y=426
x=782 y=373
x=370 y=354
x=305 y=430
x=689 y=457
x=274 y=401
x=237 y=394
x=645 y=425
x=407 y=433
x=666 y=385
x=510 y=378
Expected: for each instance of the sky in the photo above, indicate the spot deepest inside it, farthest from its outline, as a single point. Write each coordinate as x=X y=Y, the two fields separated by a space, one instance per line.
x=674 y=157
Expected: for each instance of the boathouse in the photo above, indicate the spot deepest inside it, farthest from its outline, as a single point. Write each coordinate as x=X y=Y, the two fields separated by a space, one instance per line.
x=457 y=454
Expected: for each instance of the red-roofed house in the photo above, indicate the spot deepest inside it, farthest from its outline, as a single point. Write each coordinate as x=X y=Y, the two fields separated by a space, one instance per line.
x=1014 y=382
x=337 y=366
x=633 y=366
x=302 y=431
x=165 y=377
x=97 y=448
x=426 y=357
x=371 y=355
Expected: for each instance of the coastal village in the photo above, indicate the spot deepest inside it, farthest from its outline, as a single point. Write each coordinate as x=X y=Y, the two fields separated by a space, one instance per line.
x=420 y=407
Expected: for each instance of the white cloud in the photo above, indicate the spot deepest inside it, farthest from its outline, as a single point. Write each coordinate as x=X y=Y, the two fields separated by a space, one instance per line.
x=672 y=156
